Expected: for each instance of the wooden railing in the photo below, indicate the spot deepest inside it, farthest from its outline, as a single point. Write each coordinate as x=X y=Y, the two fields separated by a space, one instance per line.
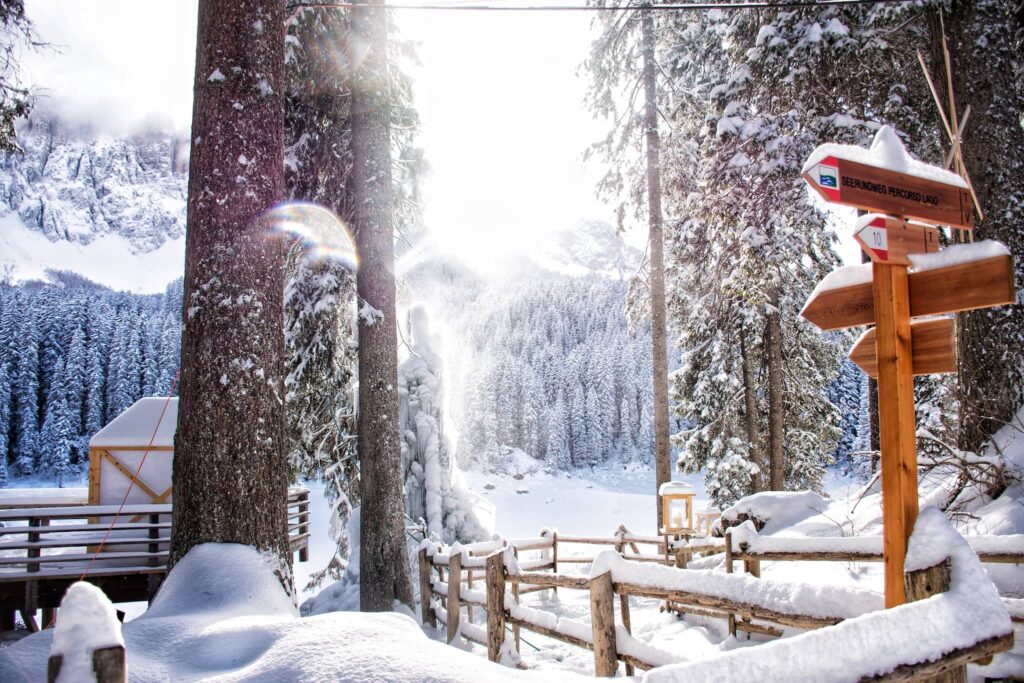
x=42 y=550
x=449 y=586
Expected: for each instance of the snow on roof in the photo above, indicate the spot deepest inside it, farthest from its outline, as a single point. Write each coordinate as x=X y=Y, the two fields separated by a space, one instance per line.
x=670 y=488
x=886 y=151
x=876 y=643
x=958 y=253
x=135 y=426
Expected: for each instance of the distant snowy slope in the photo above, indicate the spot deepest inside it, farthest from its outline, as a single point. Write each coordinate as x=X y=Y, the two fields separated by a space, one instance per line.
x=110 y=208
x=585 y=247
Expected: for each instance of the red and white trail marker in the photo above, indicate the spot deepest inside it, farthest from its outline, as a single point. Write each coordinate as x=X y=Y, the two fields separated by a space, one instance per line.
x=889 y=240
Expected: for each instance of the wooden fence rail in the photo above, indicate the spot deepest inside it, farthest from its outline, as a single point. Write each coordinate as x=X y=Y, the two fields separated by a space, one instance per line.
x=44 y=550
x=505 y=579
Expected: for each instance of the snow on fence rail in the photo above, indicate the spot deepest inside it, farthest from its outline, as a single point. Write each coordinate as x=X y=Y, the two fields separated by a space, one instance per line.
x=937 y=634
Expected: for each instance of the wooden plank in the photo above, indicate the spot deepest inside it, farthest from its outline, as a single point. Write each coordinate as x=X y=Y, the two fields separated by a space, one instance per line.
x=94 y=476
x=896 y=422
x=495 y=606
x=75 y=528
x=426 y=613
x=83 y=512
x=949 y=661
x=874 y=189
x=452 y=602
x=550 y=580
x=602 y=622
x=888 y=239
x=725 y=605
x=961 y=287
x=79 y=542
x=933 y=348
x=77 y=557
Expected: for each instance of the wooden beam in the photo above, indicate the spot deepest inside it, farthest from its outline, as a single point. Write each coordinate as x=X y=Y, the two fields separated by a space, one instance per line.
x=452 y=602
x=495 y=606
x=949 y=661
x=880 y=190
x=961 y=287
x=602 y=621
x=933 y=348
x=426 y=613
x=896 y=422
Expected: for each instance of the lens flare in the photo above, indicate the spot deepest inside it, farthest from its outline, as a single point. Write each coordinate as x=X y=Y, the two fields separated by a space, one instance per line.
x=319 y=229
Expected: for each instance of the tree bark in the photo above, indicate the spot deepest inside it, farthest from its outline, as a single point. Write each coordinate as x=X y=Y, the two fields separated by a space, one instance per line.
x=659 y=337
x=383 y=565
x=776 y=407
x=750 y=408
x=991 y=381
x=230 y=472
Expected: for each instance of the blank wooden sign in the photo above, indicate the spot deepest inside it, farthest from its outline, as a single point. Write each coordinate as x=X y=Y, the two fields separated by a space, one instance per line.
x=933 y=342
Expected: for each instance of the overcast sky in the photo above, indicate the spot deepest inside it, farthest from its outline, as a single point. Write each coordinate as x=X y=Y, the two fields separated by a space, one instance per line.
x=503 y=120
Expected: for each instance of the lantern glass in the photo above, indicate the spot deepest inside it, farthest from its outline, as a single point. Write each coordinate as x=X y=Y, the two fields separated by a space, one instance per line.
x=677 y=513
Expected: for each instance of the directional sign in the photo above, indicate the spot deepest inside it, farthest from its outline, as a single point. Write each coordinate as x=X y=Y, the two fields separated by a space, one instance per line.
x=933 y=344
x=880 y=190
x=960 y=287
x=888 y=240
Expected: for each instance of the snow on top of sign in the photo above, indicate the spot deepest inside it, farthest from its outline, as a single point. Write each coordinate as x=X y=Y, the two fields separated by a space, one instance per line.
x=675 y=488
x=876 y=643
x=886 y=151
x=88 y=622
x=844 y=276
x=958 y=253
x=134 y=427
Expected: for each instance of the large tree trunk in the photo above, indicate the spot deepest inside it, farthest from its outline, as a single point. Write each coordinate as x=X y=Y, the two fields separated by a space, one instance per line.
x=659 y=338
x=750 y=416
x=383 y=565
x=230 y=471
x=776 y=398
x=985 y=42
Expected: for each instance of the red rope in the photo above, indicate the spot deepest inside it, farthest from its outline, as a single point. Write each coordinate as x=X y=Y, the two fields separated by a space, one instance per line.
x=131 y=484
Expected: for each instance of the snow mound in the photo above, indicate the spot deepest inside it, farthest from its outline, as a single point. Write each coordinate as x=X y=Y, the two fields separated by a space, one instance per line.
x=774 y=510
x=224 y=579
x=886 y=151
x=222 y=615
x=88 y=622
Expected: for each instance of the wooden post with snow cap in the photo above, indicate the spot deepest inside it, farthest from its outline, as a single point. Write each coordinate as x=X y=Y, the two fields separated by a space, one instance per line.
x=495 y=605
x=602 y=620
x=924 y=583
x=87 y=642
x=427 y=615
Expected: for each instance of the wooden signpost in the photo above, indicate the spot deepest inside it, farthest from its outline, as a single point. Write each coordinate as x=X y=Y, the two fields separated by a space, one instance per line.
x=890 y=240
x=880 y=190
x=896 y=349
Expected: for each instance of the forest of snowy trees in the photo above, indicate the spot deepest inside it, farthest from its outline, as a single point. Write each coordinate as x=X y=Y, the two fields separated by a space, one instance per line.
x=74 y=355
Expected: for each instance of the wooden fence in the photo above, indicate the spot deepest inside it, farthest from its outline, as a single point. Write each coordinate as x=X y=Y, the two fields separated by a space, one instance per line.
x=45 y=550
x=449 y=584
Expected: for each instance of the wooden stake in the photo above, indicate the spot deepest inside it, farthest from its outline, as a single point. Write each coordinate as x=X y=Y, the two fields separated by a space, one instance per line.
x=426 y=611
x=925 y=583
x=896 y=421
x=495 y=606
x=454 y=602
x=602 y=619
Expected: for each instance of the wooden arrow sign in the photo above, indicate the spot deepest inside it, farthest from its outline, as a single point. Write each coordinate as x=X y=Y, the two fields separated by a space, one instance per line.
x=933 y=344
x=880 y=190
x=888 y=240
x=960 y=287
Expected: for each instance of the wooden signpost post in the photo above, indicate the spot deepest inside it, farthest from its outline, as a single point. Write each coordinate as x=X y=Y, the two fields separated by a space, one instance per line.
x=896 y=348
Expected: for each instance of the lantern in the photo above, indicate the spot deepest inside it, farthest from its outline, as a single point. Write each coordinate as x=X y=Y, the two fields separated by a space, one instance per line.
x=677 y=507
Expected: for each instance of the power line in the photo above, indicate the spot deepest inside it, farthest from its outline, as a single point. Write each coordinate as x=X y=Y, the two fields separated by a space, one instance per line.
x=674 y=7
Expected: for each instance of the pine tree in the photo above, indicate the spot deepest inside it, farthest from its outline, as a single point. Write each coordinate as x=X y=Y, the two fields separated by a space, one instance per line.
x=26 y=405
x=5 y=420
x=57 y=436
x=231 y=407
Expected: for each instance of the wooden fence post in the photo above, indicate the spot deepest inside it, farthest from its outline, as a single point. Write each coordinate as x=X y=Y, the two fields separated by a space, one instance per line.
x=728 y=570
x=108 y=663
x=454 y=601
x=495 y=605
x=602 y=619
x=304 y=524
x=925 y=583
x=554 y=556
x=426 y=611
